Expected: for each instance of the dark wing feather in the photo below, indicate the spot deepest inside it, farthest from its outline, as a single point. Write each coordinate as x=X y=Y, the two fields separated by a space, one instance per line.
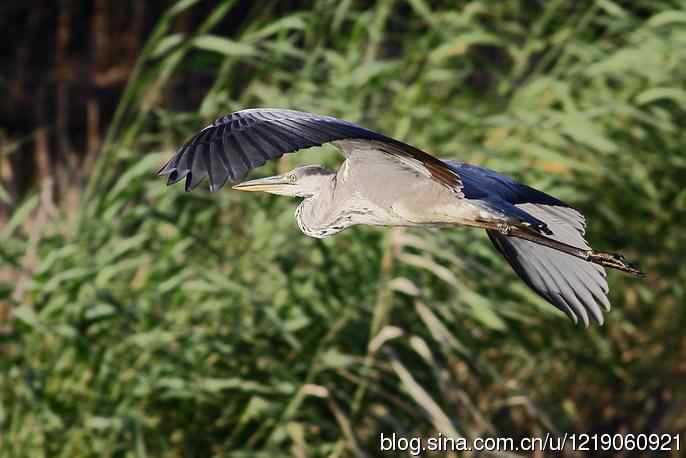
x=233 y=145
x=575 y=286
x=482 y=183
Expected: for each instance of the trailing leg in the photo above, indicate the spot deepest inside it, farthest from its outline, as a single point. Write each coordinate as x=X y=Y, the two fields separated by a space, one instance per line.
x=616 y=261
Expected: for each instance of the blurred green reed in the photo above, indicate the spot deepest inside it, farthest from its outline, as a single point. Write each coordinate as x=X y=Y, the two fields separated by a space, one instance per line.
x=153 y=322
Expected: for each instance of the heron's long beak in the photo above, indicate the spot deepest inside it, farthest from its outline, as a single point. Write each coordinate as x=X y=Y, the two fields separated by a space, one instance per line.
x=274 y=185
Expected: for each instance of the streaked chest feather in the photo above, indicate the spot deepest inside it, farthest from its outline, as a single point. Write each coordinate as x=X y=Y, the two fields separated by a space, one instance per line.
x=437 y=207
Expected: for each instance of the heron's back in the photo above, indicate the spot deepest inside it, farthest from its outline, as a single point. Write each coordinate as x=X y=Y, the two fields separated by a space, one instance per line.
x=399 y=198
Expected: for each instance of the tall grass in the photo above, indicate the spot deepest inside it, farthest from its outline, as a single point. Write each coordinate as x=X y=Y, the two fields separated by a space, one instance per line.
x=152 y=322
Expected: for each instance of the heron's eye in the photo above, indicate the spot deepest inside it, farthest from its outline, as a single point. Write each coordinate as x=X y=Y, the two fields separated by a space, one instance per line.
x=291 y=177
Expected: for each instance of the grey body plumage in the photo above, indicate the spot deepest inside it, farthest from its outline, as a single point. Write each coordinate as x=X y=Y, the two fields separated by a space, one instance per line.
x=385 y=182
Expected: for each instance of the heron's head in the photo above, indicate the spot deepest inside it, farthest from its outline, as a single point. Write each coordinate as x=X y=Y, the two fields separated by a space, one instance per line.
x=305 y=181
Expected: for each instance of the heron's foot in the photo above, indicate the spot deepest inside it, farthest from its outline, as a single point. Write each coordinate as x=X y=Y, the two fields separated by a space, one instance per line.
x=616 y=261
x=504 y=228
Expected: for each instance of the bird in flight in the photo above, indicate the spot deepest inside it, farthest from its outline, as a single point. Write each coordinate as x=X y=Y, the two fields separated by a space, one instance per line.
x=385 y=182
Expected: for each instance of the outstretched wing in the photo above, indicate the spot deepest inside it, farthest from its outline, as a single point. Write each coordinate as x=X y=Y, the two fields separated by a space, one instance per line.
x=575 y=286
x=233 y=145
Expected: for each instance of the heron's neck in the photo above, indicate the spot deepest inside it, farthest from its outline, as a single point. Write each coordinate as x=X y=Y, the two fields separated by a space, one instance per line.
x=319 y=216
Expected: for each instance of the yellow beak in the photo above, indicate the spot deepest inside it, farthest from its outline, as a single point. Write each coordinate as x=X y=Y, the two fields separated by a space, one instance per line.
x=275 y=185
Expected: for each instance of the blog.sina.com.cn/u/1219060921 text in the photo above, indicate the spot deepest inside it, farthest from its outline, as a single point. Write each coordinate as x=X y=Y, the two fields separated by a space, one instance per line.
x=549 y=442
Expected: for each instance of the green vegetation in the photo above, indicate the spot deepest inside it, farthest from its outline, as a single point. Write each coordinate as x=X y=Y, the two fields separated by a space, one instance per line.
x=152 y=322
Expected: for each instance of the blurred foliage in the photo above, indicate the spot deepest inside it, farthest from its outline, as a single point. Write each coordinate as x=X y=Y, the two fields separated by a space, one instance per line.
x=152 y=322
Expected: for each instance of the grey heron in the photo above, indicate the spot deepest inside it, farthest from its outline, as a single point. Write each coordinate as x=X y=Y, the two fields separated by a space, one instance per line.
x=386 y=182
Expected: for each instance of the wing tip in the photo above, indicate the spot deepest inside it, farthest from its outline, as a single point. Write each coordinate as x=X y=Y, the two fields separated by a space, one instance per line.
x=194 y=162
x=189 y=185
x=165 y=169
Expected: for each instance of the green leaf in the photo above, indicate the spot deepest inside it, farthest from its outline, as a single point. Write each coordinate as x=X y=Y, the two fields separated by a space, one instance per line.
x=224 y=46
x=650 y=95
x=144 y=167
x=20 y=216
x=167 y=43
x=584 y=131
x=334 y=359
x=666 y=18
x=181 y=6
x=288 y=23
x=26 y=315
